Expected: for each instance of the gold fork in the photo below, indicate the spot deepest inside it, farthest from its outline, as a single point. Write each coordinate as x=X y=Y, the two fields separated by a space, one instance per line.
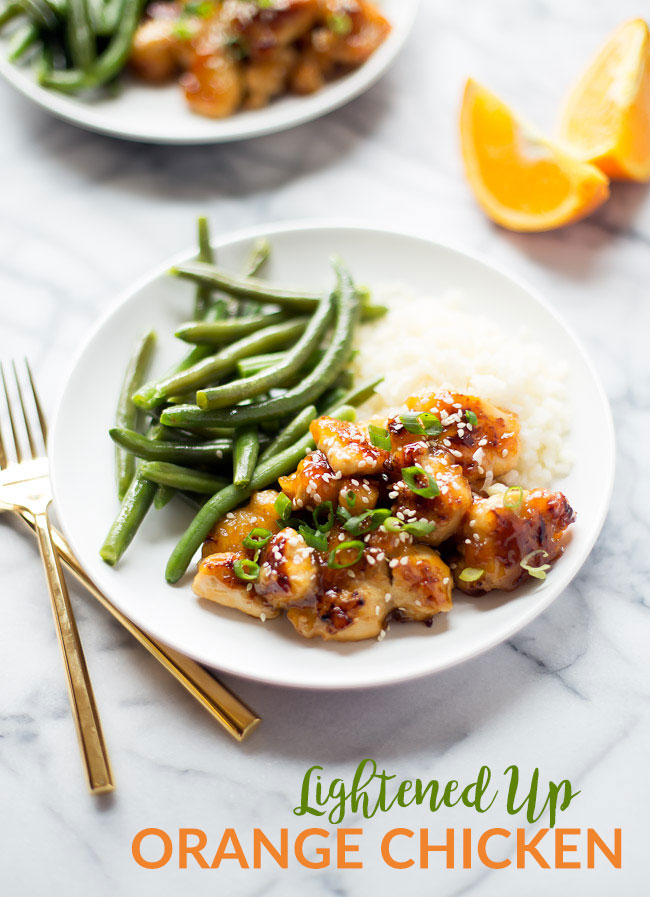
x=25 y=488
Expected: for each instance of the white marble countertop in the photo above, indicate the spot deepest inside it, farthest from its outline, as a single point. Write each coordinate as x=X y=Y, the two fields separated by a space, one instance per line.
x=81 y=216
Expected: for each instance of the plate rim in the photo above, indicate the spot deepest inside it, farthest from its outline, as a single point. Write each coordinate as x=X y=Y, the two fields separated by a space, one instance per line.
x=270 y=229
x=55 y=104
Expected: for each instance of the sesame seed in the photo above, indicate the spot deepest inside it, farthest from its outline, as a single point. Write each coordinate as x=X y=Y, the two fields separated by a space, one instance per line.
x=263 y=618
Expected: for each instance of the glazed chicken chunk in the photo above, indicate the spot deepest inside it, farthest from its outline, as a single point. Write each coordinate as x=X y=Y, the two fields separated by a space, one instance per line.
x=494 y=540
x=452 y=498
x=351 y=605
x=347 y=447
x=482 y=438
x=315 y=481
x=217 y=581
x=288 y=573
x=355 y=546
x=242 y=53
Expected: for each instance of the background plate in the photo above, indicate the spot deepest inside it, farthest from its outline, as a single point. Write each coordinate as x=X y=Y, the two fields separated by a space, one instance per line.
x=82 y=467
x=160 y=114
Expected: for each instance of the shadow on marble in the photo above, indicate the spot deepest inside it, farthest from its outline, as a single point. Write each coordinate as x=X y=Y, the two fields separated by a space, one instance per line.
x=575 y=251
x=204 y=173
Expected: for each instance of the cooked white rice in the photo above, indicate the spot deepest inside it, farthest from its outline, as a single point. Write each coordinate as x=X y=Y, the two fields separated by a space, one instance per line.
x=425 y=343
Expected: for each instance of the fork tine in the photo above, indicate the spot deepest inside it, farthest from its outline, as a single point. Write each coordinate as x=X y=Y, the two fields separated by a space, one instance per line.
x=39 y=407
x=19 y=455
x=30 y=438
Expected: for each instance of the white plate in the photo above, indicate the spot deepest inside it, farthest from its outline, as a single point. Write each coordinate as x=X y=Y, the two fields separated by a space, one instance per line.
x=160 y=114
x=82 y=468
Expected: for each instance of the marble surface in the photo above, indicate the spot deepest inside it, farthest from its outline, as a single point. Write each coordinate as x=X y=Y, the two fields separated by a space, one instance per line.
x=81 y=216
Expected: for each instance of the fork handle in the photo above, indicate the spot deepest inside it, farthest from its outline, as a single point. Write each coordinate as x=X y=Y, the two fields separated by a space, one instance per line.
x=82 y=699
x=230 y=711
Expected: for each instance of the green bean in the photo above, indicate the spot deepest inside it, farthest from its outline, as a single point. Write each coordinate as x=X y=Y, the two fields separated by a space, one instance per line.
x=202 y=300
x=193 y=453
x=182 y=478
x=108 y=65
x=21 y=40
x=260 y=254
x=210 y=369
x=104 y=15
x=232 y=393
x=216 y=333
x=10 y=12
x=135 y=505
x=249 y=366
x=81 y=39
x=214 y=509
x=314 y=385
x=163 y=496
x=246 y=452
x=293 y=431
x=40 y=13
x=126 y=415
x=214 y=278
x=359 y=394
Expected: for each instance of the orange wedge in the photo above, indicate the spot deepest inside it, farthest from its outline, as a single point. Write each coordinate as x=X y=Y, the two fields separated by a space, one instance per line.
x=606 y=119
x=522 y=181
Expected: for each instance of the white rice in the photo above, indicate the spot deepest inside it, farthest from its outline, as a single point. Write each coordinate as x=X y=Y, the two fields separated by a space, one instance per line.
x=425 y=343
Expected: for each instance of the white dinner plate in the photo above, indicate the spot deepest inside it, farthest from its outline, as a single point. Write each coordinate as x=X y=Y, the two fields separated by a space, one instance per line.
x=160 y=114
x=82 y=466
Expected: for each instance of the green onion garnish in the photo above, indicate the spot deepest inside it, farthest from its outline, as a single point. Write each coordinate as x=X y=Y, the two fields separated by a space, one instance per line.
x=345 y=546
x=340 y=23
x=367 y=522
x=326 y=508
x=282 y=506
x=537 y=572
x=411 y=422
x=409 y=475
x=513 y=498
x=431 y=424
x=417 y=528
x=246 y=569
x=379 y=437
x=471 y=574
x=471 y=418
x=350 y=498
x=314 y=538
x=257 y=538
x=343 y=513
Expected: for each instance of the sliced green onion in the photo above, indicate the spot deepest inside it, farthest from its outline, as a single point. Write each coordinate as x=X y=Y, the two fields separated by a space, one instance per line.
x=326 y=525
x=314 y=538
x=409 y=475
x=379 y=437
x=282 y=506
x=411 y=422
x=340 y=23
x=471 y=574
x=345 y=546
x=431 y=424
x=471 y=418
x=419 y=528
x=343 y=513
x=350 y=498
x=257 y=538
x=367 y=522
x=246 y=569
x=537 y=572
x=513 y=498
